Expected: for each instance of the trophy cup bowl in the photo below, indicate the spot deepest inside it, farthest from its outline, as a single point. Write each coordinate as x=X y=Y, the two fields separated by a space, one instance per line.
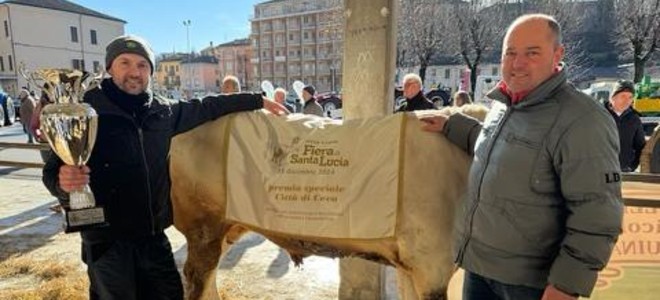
x=70 y=128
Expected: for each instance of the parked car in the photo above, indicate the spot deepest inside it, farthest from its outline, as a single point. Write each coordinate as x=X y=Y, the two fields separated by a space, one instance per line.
x=8 y=110
x=439 y=94
x=293 y=101
x=329 y=101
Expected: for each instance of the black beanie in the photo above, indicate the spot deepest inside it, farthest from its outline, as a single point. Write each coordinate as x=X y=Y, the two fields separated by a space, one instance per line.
x=310 y=89
x=128 y=44
x=623 y=86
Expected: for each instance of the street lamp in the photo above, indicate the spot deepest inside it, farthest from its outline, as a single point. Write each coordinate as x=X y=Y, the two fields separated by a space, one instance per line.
x=187 y=24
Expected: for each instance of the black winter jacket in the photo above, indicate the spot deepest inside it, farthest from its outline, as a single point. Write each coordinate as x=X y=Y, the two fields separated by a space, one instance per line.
x=419 y=102
x=129 y=162
x=631 y=137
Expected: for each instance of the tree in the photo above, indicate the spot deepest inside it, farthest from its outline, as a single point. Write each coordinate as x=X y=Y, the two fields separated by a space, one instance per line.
x=421 y=27
x=637 y=32
x=476 y=32
x=571 y=15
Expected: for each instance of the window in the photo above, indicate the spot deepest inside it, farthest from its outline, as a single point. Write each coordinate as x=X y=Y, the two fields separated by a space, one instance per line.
x=97 y=66
x=494 y=70
x=290 y=36
x=74 y=34
x=6 y=29
x=2 y=64
x=306 y=35
x=11 y=63
x=447 y=73
x=92 y=37
x=78 y=64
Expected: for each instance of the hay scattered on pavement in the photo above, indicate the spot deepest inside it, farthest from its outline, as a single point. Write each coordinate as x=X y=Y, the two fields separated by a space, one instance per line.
x=47 y=280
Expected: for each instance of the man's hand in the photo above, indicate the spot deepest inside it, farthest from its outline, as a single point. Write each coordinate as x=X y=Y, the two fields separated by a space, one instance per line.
x=434 y=123
x=552 y=293
x=274 y=107
x=73 y=178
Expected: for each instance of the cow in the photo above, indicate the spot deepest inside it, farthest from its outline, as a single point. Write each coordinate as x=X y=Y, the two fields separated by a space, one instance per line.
x=435 y=175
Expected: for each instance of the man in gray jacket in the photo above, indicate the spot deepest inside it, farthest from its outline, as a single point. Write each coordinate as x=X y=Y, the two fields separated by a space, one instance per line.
x=543 y=208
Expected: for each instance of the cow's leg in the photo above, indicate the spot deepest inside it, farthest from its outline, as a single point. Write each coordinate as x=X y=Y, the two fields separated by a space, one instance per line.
x=204 y=249
x=432 y=284
x=406 y=286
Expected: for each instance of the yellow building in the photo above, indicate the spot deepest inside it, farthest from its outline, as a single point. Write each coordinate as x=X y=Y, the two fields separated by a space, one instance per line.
x=168 y=75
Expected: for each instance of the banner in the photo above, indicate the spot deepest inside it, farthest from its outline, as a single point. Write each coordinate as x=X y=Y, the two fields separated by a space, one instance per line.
x=309 y=176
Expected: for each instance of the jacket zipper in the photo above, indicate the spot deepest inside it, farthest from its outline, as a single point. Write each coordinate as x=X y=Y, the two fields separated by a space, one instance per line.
x=146 y=172
x=473 y=210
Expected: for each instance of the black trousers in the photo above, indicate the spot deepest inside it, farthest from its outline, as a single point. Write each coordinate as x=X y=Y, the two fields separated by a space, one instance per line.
x=132 y=269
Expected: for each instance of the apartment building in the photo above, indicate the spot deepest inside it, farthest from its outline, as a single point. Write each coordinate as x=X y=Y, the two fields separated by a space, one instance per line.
x=297 y=40
x=234 y=59
x=52 y=34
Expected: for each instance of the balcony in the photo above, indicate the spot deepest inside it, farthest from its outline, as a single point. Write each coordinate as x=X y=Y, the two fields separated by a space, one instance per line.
x=280 y=58
x=254 y=60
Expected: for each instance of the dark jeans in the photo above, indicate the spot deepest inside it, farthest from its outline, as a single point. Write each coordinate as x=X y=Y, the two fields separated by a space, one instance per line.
x=132 y=269
x=476 y=287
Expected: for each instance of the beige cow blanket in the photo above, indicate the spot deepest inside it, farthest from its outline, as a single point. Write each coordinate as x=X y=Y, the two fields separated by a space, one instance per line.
x=310 y=176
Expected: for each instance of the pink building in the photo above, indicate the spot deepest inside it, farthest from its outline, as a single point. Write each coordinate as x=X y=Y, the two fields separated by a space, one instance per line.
x=199 y=76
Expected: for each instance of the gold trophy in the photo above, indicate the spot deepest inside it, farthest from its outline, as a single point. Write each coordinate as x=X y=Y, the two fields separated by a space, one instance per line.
x=70 y=127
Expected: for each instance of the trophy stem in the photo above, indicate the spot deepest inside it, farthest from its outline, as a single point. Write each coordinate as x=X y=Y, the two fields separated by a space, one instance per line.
x=82 y=198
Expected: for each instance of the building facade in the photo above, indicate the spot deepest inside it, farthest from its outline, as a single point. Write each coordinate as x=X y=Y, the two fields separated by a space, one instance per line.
x=168 y=75
x=234 y=58
x=297 y=40
x=52 y=34
x=453 y=77
x=199 y=76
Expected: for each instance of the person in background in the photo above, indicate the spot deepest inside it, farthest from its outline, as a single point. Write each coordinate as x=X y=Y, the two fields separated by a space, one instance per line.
x=412 y=91
x=35 y=123
x=128 y=173
x=280 y=97
x=543 y=207
x=631 y=131
x=461 y=98
x=28 y=105
x=311 y=106
x=230 y=84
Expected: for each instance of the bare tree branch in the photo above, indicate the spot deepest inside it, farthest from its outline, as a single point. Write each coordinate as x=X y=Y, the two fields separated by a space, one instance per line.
x=637 y=32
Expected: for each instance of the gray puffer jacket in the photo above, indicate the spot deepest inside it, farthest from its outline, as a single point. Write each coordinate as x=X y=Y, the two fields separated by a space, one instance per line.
x=544 y=194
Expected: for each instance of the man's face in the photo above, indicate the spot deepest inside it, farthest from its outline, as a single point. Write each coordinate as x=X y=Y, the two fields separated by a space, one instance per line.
x=228 y=88
x=411 y=88
x=529 y=55
x=621 y=101
x=306 y=95
x=131 y=73
x=279 y=97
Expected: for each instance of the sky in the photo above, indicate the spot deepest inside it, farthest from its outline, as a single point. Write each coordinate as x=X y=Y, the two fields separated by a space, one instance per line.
x=161 y=21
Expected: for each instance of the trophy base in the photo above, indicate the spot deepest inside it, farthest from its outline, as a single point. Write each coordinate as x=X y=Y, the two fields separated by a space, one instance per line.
x=82 y=219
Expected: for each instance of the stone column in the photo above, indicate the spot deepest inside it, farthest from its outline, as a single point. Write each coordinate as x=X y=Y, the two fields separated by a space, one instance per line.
x=367 y=91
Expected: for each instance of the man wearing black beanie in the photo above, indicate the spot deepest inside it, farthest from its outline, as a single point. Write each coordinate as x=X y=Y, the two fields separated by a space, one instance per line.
x=128 y=174
x=631 y=131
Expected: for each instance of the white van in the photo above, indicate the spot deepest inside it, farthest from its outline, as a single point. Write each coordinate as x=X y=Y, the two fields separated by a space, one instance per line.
x=600 y=91
x=485 y=83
